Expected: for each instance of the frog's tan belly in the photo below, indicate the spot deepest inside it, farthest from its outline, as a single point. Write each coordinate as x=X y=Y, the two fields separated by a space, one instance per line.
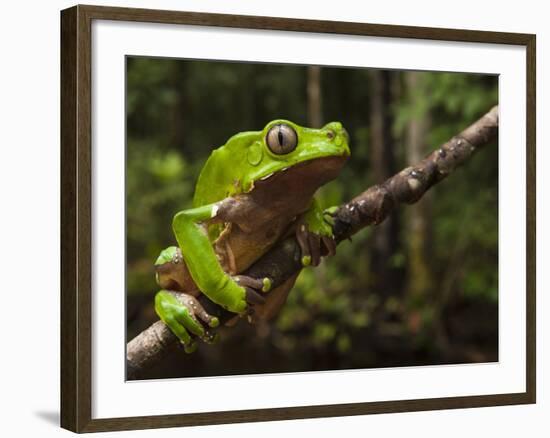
x=237 y=250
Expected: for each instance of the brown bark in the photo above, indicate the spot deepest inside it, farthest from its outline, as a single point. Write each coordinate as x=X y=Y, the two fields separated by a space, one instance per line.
x=314 y=97
x=369 y=208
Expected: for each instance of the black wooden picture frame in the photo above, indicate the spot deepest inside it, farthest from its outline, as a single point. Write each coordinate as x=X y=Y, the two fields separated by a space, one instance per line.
x=76 y=217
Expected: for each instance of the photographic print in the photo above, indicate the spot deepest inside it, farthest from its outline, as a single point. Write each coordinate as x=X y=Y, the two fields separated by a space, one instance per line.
x=342 y=214
x=289 y=218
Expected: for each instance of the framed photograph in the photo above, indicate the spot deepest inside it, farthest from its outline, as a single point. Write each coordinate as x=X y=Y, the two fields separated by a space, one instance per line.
x=269 y=218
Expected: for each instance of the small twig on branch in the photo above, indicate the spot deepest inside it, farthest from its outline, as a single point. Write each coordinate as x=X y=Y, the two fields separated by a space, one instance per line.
x=370 y=207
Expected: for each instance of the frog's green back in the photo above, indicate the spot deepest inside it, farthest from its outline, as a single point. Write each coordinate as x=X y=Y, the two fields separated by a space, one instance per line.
x=222 y=173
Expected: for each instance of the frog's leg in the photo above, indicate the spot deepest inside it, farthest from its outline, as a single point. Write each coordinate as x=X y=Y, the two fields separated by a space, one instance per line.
x=203 y=265
x=314 y=235
x=181 y=313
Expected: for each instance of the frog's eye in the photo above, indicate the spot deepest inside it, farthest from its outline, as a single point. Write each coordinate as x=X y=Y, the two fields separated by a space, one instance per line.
x=281 y=139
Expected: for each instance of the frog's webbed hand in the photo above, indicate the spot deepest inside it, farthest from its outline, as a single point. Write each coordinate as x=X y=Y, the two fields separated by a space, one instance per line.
x=314 y=235
x=184 y=315
x=201 y=260
x=253 y=287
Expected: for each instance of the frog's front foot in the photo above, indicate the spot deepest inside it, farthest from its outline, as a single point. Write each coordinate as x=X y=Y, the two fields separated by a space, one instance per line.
x=254 y=287
x=184 y=315
x=314 y=244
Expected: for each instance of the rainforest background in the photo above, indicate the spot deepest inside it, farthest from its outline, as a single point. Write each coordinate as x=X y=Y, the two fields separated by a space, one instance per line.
x=421 y=288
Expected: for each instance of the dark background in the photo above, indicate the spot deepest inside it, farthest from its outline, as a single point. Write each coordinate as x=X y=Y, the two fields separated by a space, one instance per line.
x=421 y=288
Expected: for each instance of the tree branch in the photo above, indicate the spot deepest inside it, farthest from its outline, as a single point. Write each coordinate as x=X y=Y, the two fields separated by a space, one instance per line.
x=370 y=207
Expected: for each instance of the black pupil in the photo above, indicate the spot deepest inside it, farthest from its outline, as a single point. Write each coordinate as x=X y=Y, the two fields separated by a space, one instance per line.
x=281 y=137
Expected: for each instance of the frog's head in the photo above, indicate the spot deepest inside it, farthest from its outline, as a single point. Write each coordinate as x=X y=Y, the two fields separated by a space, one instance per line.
x=306 y=156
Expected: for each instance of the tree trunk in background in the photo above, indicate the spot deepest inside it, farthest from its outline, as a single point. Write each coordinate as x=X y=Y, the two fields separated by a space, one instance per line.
x=315 y=120
x=181 y=105
x=418 y=216
x=314 y=97
x=385 y=236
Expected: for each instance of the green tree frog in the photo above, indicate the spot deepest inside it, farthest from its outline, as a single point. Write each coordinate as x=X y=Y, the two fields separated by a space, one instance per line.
x=253 y=191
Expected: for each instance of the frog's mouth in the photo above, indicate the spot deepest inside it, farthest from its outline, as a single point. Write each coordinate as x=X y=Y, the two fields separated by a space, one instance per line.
x=302 y=179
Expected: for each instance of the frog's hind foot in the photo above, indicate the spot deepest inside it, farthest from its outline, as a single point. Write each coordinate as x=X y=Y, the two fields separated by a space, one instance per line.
x=185 y=316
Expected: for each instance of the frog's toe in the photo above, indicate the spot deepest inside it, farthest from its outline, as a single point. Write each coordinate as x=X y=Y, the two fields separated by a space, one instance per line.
x=198 y=310
x=303 y=243
x=313 y=246
x=253 y=297
x=177 y=328
x=191 y=347
x=314 y=241
x=263 y=284
x=189 y=321
x=329 y=244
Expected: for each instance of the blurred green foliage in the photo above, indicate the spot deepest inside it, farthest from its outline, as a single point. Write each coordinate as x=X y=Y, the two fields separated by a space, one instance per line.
x=343 y=314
